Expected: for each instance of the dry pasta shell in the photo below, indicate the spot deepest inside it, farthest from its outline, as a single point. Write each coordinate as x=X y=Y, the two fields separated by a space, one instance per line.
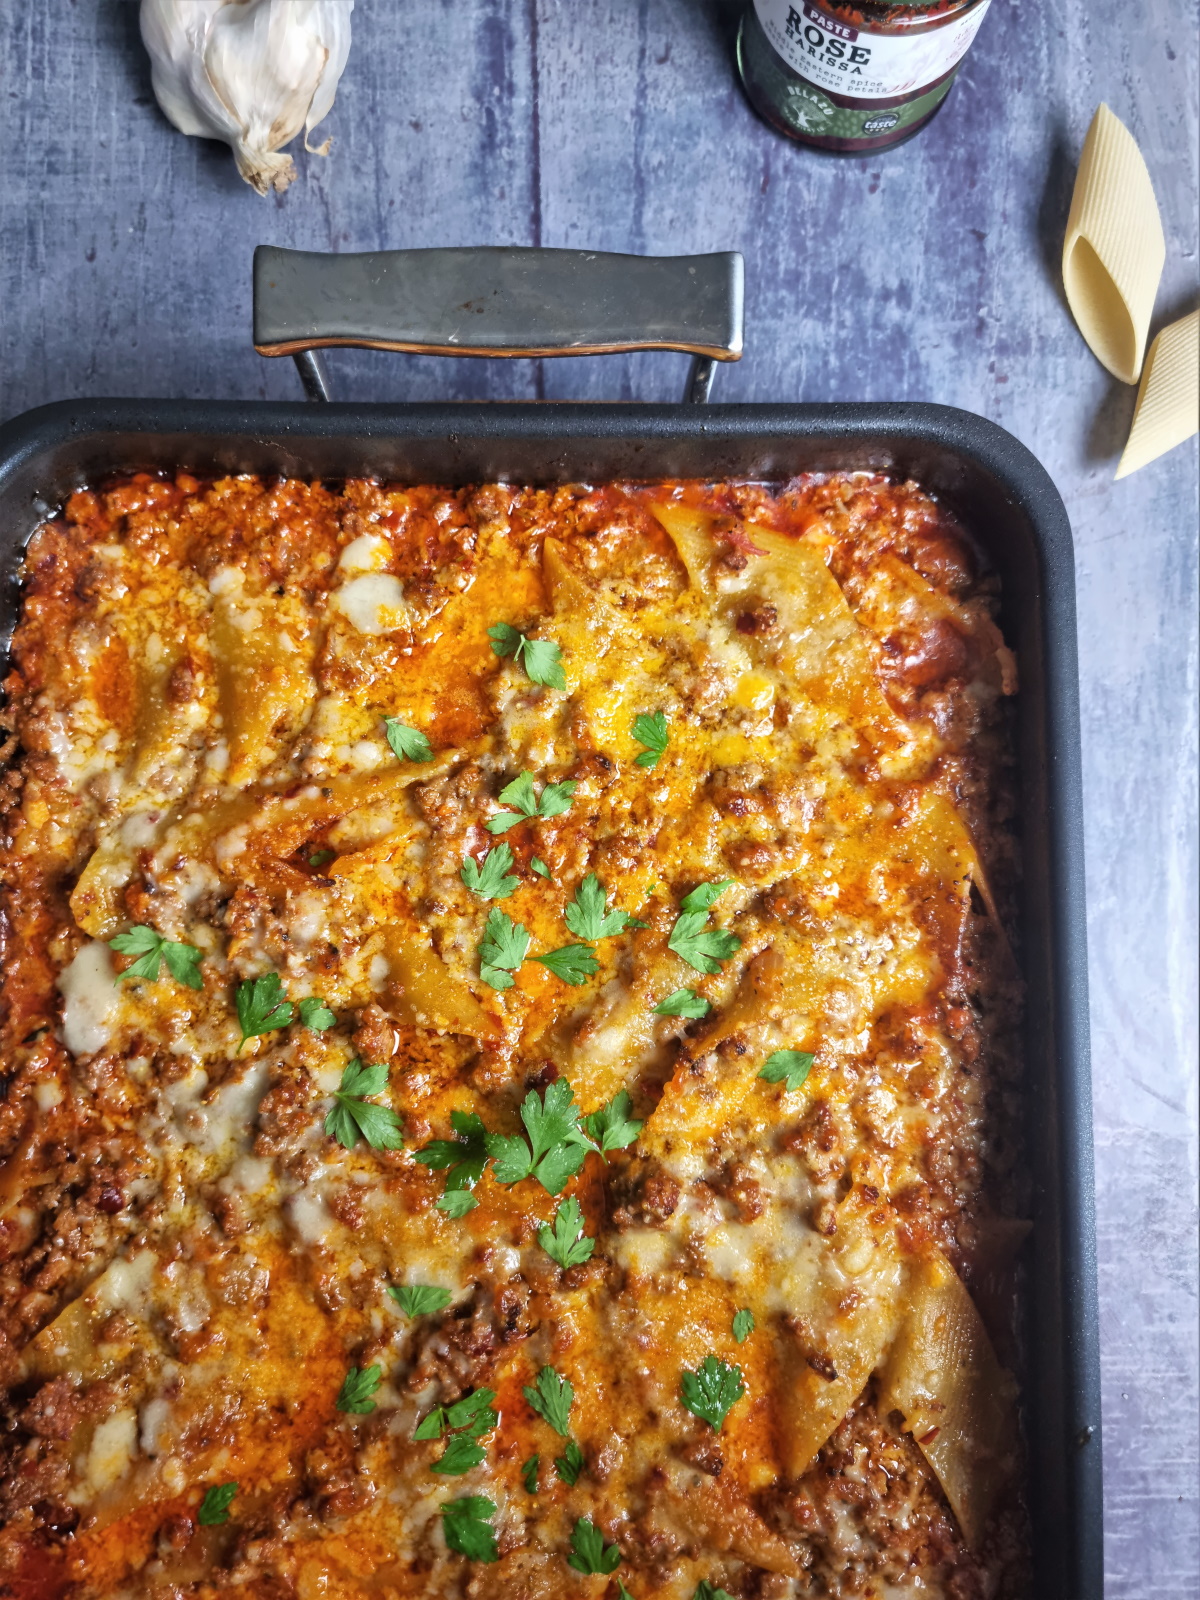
x=1114 y=250
x=1168 y=402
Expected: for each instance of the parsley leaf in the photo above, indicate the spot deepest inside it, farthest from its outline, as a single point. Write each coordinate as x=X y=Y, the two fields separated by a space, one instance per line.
x=543 y=663
x=353 y=1113
x=539 y=866
x=705 y=895
x=419 y=1299
x=551 y=1398
x=488 y=878
x=558 y=1144
x=566 y=1242
x=588 y=916
x=650 y=730
x=521 y=794
x=571 y=963
x=743 y=1325
x=529 y=1475
x=570 y=1464
x=589 y=1553
x=789 y=1067
x=214 y=1508
x=460 y=1455
x=262 y=1006
x=504 y=946
x=612 y=1127
x=473 y=1412
x=554 y=799
x=357 y=1388
x=542 y=658
x=183 y=960
x=315 y=1014
x=457 y=1202
x=408 y=744
x=506 y=640
x=464 y=1421
x=702 y=948
x=683 y=1003
x=705 y=1591
x=622 y=1592
x=465 y=1524
x=710 y=1391
x=465 y=1156
x=321 y=858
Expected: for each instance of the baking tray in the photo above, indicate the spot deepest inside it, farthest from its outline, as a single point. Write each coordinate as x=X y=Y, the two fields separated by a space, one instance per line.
x=992 y=482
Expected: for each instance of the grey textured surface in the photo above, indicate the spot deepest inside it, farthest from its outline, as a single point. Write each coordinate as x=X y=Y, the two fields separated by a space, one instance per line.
x=927 y=273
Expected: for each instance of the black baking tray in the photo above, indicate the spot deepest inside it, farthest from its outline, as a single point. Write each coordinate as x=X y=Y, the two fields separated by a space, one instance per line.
x=1011 y=507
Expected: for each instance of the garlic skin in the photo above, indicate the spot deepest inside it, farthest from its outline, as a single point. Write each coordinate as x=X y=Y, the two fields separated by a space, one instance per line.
x=249 y=72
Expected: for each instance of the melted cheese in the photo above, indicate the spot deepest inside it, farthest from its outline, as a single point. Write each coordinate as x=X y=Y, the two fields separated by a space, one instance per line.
x=283 y=836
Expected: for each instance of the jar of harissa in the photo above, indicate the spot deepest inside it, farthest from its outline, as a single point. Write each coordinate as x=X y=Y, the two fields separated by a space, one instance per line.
x=852 y=76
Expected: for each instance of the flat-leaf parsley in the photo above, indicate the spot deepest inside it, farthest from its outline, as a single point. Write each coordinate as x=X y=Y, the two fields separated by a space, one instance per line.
x=183 y=960
x=789 y=1067
x=354 y=1113
x=712 y=1390
x=650 y=729
x=542 y=659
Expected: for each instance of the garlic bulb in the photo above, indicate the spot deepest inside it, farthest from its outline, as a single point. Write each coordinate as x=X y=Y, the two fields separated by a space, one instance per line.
x=250 y=72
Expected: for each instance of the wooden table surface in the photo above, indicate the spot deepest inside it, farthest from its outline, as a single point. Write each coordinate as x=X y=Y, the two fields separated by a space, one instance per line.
x=928 y=273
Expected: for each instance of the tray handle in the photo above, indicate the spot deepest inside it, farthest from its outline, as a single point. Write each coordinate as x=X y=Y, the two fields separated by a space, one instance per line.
x=497 y=301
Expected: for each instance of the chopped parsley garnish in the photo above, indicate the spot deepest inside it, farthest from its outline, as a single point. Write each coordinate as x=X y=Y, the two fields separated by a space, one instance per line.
x=710 y=1391
x=262 y=1006
x=466 y=1526
x=315 y=1014
x=558 y=1144
x=354 y=1113
x=551 y=1398
x=612 y=1127
x=589 y=1553
x=588 y=916
x=322 y=858
x=743 y=1325
x=566 y=1242
x=541 y=658
x=705 y=895
x=554 y=799
x=702 y=948
x=462 y=1158
x=408 y=744
x=357 y=1388
x=529 y=1474
x=539 y=866
x=504 y=946
x=214 y=1508
x=464 y=1421
x=183 y=960
x=789 y=1067
x=706 y=1591
x=570 y=1464
x=488 y=878
x=683 y=1003
x=419 y=1299
x=650 y=729
x=571 y=963
x=459 y=1456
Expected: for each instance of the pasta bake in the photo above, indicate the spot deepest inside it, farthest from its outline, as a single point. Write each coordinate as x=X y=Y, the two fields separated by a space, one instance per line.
x=512 y=1045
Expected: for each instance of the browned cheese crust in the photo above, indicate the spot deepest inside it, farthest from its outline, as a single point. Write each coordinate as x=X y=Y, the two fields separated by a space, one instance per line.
x=819 y=1131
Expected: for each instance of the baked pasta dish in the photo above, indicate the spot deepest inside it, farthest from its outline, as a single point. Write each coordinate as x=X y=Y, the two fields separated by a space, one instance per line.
x=510 y=1033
